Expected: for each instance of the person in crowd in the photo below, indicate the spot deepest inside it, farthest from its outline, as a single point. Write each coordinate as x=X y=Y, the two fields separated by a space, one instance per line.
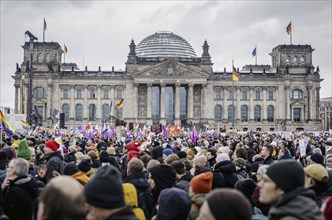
x=267 y=152
x=283 y=187
x=62 y=198
x=20 y=191
x=72 y=170
x=199 y=165
x=225 y=204
x=183 y=177
x=211 y=155
x=86 y=167
x=130 y=196
x=171 y=158
x=224 y=172
x=105 y=202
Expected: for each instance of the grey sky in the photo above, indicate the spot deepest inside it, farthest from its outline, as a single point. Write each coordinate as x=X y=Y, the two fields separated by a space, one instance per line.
x=100 y=31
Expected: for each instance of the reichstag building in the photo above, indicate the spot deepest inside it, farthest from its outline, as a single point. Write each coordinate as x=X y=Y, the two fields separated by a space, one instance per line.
x=165 y=81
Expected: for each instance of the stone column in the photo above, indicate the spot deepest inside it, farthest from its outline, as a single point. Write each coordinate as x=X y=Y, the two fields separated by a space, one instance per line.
x=264 y=107
x=224 y=105
x=162 y=103
x=238 y=104
x=49 y=106
x=190 y=102
x=112 y=100
x=310 y=103
x=99 y=104
x=85 y=101
x=135 y=110
x=149 y=102
x=287 y=108
x=315 y=112
x=251 y=103
x=177 y=104
x=72 y=103
x=16 y=98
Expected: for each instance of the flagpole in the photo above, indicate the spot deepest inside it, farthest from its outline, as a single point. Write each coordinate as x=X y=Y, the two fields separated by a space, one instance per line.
x=44 y=31
x=256 y=56
x=233 y=109
x=290 y=36
x=64 y=57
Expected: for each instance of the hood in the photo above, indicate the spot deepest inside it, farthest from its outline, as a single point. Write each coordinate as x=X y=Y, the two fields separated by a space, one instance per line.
x=157 y=152
x=130 y=194
x=56 y=154
x=28 y=184
x=225 y=167
x=138 y=180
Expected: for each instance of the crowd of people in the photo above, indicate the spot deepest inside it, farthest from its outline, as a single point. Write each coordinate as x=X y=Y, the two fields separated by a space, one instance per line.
x=152 y=176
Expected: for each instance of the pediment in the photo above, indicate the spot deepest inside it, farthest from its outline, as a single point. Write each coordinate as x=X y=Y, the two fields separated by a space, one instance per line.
x=170 y=68
x=297 y=103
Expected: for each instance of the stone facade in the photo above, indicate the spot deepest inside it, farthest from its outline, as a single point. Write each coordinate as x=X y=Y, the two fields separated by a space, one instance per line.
x=325 y=111
x=283 y=96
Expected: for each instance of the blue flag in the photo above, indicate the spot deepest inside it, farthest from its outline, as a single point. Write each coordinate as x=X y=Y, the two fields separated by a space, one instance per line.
x=254 y=52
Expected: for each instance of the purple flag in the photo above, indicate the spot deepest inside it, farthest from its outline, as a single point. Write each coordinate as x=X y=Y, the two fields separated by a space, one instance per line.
x=164 y=131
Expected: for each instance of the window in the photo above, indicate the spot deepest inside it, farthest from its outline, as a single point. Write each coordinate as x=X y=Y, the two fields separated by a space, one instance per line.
x=65 y=93
x=105 y=112
x=297 y=94
x=92 y=112
x=245 y=95
x=302 y=59
x=297 y=114
x=244 y=113
x=79 y=112
x=105 y=93
x=119 y=93
x=287 y=59
x=270 y=95
x=257 y=113
x=119 y=113
x=40 y=57
x=39 y=93
x=65 y=110
x=40 y=110
x=218 y=93
x=92 y=92
x=231 y=94
x=79 y=93
x=231 y=111
x=295 y=59
x=270 y=113
x=257 y=95
x=48 y=57
x=217 y=113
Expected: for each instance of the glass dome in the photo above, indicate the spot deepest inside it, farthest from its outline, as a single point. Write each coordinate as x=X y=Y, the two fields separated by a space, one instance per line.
x=165 y=44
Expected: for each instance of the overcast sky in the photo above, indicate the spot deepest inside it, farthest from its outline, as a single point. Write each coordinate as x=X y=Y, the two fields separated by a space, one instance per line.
x=100 y=31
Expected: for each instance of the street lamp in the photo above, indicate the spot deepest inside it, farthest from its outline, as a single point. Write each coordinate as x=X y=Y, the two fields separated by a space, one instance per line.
x=29 y=112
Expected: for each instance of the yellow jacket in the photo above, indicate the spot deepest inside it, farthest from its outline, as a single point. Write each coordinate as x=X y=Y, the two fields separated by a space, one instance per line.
x=130 y=196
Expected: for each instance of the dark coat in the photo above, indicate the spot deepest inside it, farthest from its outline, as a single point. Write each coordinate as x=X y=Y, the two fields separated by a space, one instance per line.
x=54 y=163
x=124 y=214
x=268 y=160
x=20 y=198
x=224 y=175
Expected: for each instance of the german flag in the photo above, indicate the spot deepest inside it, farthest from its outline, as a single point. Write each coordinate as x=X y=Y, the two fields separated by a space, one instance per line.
x=120 y=104
x=289 y=28
x=65 y=50
x=235 y=75
x=45 y=25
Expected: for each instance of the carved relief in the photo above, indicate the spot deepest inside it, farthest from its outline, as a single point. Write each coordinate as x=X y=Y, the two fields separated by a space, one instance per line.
x=142 y=101
x=197 y=102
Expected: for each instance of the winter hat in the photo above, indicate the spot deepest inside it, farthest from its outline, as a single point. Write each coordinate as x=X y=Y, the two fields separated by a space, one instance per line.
x=53 y=145
x=10 y=151
x=202 y=183
x=317 y=158
x=157 y=152
x=317 y=172
x=23 y=150
x=133 y=146
x=174 y=203
x=222 y=157
x=103 y=156
x=3 y=160
x=246 y=186
x=85 y=165
x=181 y=154
x=111 y=151
x=167 y=151
x=191 y=151
x=200 y=161
x=104 y=190
x=287 y=175
x=240 y=162
x=163 y=175
x=229 y=204
x=70 y=169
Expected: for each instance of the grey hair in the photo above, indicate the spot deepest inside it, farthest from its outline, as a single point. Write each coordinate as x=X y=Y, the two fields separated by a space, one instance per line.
x=135 y=165
x=21 y=166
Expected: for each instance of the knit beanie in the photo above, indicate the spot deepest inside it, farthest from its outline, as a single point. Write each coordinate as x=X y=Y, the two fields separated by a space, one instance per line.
x=53 y=145
x=163 y=175
x=202 y=183
x=70 y=169
x=181 y=154
x=317 y=172
x=157 y=152
x=287 y=175
x=317 y=158
x=200 y=161
x=104 y=190
x=246 y=186
x=85 y=165
x=10 y=151
x=167 y=151
x=174 y=203
x=222 y=157
x=191 y=151
x=23 y=150
x=229 y=204
x=111 y=151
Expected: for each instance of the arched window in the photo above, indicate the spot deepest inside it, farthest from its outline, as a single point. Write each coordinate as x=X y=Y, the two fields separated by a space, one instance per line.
x=270 y=113
x=217 y=92
x=92 y=112
x=231 y=111
x=217 y=113
x=48 y=57
x=297 y=94
x=119 y=93
x=244 y=113
x=39 y=93
x=105 y=112
x=270 y=95
x=40 y=57
x=288 y=59
x=79 y=112
x=257 y=113
x=65 y=110
x=295 y=59
x=302 y=59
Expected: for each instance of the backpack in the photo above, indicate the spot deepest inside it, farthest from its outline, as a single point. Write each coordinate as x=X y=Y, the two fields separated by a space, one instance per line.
x=145 y=202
